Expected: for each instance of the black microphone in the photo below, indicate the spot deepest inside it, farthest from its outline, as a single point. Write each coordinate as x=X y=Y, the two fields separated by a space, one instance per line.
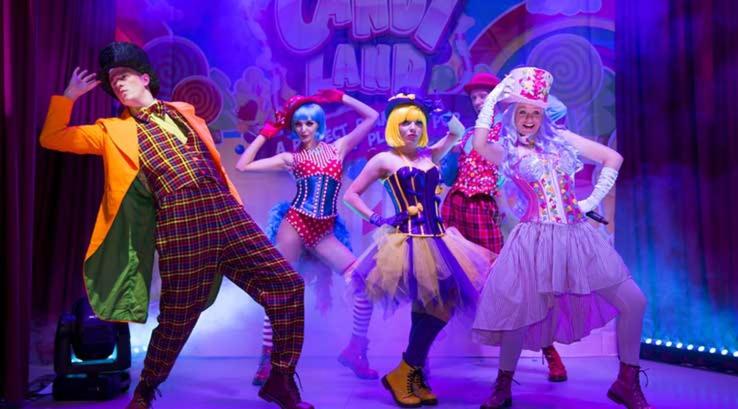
x=597 y=217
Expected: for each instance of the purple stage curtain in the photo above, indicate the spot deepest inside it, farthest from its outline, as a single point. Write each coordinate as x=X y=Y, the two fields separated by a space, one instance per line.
x=49 y=199
x=68 y=187
x=18 y=164
x=677 y=88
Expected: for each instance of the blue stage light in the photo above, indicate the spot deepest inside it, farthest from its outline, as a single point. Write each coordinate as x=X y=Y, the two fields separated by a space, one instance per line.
x=91 y=356
x=714 y=358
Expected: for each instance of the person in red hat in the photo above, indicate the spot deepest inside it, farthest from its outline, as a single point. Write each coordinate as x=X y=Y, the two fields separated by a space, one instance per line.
x=310 y=223
x=470 y=203
x=165 y=189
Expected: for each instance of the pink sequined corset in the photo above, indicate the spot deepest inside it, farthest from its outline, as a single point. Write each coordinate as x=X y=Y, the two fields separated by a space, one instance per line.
x=318 y=178
x=476 y=174
x=548 y=183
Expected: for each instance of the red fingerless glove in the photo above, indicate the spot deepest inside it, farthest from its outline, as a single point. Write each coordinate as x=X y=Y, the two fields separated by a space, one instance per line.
x=270 y=129
x=330 y=95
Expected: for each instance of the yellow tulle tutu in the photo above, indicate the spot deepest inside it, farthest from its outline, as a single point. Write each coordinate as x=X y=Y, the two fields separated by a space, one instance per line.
x=445 y=270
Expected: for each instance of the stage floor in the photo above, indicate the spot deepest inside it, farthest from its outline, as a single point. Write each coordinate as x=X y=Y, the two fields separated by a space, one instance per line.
x=459 y=382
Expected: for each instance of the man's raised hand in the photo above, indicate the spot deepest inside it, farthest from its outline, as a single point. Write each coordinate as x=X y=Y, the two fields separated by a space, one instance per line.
x=80 y=83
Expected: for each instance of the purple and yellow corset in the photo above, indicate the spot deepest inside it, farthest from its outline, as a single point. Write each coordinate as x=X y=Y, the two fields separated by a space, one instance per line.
x=413 y=191
x=316 y=196
x=547 y=180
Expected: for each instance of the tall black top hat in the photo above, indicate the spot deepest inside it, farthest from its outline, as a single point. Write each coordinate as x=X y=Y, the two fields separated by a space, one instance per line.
x=120 y=54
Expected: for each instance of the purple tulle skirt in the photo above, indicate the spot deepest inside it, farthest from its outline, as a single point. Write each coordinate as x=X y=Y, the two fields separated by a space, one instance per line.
x=445 y=272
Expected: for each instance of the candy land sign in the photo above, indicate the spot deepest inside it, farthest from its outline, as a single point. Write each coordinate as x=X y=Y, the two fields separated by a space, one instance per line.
x=369 y=48
x=375 y=47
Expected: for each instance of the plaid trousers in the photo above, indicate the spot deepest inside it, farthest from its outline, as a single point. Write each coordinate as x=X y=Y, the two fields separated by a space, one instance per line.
x=201 y=230
x=477 y=218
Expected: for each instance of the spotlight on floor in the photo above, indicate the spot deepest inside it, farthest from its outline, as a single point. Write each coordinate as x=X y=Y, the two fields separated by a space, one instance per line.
x=91 y=356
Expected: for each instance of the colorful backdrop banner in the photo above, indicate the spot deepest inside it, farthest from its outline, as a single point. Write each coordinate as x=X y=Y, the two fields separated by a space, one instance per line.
x=239 y=62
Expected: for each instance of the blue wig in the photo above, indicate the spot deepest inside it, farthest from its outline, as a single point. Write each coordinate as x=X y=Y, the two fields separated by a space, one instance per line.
x=311 y=112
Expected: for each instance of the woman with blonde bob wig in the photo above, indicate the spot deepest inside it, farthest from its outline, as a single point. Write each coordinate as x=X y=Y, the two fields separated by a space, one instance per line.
x=414 y=258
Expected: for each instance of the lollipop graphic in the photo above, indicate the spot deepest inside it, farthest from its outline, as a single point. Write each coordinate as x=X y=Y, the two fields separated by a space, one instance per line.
x=202 y=93
x=174 y=59
x=575 y=64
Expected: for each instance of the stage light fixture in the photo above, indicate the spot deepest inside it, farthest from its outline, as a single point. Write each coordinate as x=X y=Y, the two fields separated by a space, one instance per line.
x=705 y=356
x=91 y=356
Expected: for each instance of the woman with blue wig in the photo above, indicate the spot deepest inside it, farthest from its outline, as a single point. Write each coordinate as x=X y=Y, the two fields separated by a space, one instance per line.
x=310 y=223
x=556 y=278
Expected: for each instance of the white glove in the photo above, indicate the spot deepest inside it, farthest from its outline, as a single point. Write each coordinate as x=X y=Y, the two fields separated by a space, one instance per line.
x=484 y=120
x=456 y=127
x=604 y=183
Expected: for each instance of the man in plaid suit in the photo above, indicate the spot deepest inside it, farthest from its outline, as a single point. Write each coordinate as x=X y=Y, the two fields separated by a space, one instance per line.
x=165 y=188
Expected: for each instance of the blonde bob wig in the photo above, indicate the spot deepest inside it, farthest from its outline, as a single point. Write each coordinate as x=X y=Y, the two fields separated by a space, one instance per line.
x=402 y=113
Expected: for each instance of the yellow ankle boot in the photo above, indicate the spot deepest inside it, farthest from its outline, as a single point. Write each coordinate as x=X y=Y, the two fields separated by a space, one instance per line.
x=421 y=389
x=399 y=383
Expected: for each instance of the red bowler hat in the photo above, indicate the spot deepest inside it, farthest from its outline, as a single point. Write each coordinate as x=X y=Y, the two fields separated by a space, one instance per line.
x=481 y=80
x=284 y=117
